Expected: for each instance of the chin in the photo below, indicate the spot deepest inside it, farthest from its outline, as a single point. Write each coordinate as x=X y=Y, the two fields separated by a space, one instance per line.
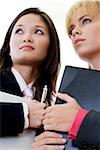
x=85 y=55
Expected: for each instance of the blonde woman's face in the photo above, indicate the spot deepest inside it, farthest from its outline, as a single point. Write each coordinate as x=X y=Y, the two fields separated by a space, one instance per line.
x=29 y=41
x=85 y=34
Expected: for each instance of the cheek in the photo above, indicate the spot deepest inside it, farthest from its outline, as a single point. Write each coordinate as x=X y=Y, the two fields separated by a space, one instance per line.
x=74 y=47
x=96 y=43
x=44 y=46
x=97 y=37
x=93 y=33
x=13 y=45
x=94 y=38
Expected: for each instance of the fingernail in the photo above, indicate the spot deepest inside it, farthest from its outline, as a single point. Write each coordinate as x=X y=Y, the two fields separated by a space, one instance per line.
x=60 y=135
x=64 y=140
x=54 y=94
x=61 y=147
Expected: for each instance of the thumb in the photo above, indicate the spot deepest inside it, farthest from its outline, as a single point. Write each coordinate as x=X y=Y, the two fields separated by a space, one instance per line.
x=65 y=97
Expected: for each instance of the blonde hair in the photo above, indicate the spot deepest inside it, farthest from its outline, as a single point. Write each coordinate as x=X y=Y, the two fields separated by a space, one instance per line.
x=91 y=7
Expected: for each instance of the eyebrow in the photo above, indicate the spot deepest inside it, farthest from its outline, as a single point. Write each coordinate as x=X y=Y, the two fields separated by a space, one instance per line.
x=37 y=26
x=81 y=17
x=20 y=25
x=72 y=26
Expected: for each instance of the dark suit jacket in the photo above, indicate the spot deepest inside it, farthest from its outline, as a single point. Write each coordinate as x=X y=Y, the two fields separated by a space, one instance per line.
x=11 y=114
x=89 y=133
x=88 y=137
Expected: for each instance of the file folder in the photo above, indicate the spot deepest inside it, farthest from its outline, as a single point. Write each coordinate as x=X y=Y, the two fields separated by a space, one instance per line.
x=84 y=85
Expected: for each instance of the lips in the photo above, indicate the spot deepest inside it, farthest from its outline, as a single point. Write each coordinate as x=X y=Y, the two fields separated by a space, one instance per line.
x=78 y=40
x=27 y=47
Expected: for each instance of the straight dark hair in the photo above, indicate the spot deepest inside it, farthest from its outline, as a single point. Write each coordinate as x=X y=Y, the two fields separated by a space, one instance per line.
x=49 y=68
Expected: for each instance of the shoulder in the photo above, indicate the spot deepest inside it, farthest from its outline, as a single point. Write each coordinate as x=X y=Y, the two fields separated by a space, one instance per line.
x=6 y=74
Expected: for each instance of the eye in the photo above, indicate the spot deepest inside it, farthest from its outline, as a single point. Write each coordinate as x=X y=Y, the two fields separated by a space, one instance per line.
x=38 y=31
x=86 y=21
x=19 y=31
x=71 y=30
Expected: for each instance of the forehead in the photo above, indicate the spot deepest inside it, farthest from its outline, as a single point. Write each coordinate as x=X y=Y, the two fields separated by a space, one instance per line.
x=32 y=19
x=82 y=11
x=76 y=15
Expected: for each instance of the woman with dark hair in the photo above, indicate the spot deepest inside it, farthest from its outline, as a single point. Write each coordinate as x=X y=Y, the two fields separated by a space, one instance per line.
x=30 y=58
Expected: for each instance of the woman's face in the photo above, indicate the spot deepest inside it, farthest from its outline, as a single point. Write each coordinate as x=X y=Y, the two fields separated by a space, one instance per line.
x=29 y=41
x=85 y=34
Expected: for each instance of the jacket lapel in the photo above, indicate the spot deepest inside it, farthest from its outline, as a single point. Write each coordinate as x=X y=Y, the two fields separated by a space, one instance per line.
x=9 y=83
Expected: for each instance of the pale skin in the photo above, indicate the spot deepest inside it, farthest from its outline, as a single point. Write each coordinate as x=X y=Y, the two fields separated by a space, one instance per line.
x=87 y=28
x=57 y=118
x=82 y=26
x=28 y=49
x=41 y=141
x=36 y=112
x=54 y=121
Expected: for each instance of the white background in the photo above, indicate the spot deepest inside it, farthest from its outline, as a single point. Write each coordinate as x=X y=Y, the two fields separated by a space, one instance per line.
x=57 y=10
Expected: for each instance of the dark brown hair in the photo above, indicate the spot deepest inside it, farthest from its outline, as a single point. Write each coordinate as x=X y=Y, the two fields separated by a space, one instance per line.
x=49 y=68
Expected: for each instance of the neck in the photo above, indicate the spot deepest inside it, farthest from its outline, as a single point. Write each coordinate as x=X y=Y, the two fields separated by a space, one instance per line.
x=95 y=63
x=95 y=66
x=28 y=73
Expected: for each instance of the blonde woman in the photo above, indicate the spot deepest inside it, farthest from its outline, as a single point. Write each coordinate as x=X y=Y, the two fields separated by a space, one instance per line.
x=83 y=126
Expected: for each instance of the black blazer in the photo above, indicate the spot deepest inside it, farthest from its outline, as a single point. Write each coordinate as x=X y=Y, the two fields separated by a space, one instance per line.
x=11 y=114
x=89 y=133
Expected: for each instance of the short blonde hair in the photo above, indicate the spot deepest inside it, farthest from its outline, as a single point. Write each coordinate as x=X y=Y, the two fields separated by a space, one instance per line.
x=91 y=7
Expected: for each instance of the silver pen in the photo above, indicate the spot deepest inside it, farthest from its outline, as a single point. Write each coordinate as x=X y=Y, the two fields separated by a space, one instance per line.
x=44 y=94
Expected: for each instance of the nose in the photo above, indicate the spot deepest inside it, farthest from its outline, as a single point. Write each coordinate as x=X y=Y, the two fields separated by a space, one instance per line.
x=76 y=31
x=27 y=38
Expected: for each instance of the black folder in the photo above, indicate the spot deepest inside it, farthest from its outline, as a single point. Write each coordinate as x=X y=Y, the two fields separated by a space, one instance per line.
x=84 y=85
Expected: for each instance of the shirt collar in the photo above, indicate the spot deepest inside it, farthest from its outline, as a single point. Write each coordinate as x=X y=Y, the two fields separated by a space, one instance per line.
x=22 y=84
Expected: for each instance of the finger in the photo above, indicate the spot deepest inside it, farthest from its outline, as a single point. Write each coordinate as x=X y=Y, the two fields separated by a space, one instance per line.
x=35 y=101
x=65 y=97
x=36 y=104
x=47 y=134
x=48 y=115
x=49 y=140
x=50 y=126
x=47 y=147
x=49 y=109
x=53 y=147
x=48 y=121
x=41 y=105
x=43 y=112
x=36 y=113
x=54 y=94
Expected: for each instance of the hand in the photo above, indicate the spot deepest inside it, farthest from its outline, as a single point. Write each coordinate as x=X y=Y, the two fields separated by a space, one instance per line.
x=36 y=112
x=60 y=117
x=43 y=141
